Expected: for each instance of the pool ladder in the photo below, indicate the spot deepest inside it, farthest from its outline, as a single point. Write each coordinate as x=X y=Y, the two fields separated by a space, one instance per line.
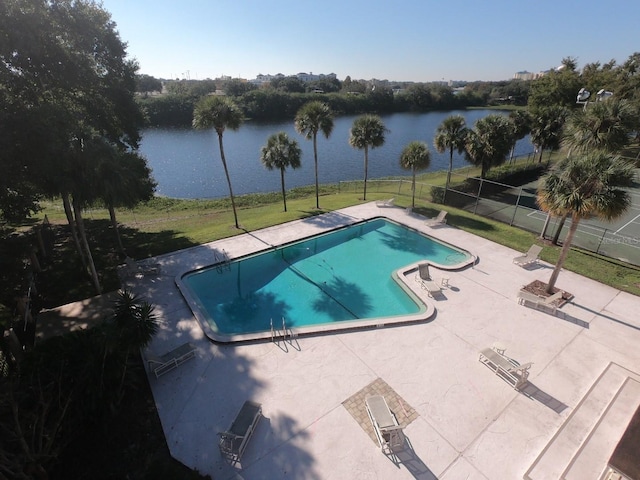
x=275 y=333
x=222 y=261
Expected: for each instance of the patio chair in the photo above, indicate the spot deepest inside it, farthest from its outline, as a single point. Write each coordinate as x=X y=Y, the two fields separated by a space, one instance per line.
x=439 y=220
x=135 y=269
x=385 y=203
x=388 y=432
x=426 y=282
x=546 y=304
x=508 y=369
x=528 y=258
x=160 y=365
x=234 y=441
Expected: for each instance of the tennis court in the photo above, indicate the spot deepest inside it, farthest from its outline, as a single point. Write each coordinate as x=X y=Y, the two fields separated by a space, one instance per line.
x=517 y=206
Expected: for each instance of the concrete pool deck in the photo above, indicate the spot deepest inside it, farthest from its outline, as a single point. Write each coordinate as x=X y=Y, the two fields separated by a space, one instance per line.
x=462 y=421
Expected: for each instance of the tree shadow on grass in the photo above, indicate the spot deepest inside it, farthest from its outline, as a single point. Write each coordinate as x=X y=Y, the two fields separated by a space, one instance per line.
x=63 y=279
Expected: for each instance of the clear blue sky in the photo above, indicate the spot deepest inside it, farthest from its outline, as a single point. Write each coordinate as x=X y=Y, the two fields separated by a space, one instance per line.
x=420 y=40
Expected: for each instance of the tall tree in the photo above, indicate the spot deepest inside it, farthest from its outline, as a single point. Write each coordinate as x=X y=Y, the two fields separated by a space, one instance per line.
x=124 y=180
x=546 y=127
x=367 y=131
x=605 y=125
x=314 y=117
x=582 y=187
x=415 y=156
x=220 y=113
x=520 y=121
x=279 y=153
x=489 y=142
x=450 y=134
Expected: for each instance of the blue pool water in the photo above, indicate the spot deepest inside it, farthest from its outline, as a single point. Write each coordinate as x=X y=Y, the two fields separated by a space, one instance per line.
x=336 y=277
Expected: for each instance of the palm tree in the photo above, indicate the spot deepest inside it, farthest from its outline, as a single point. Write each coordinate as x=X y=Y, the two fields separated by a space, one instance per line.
x=367 y=131
x=415 y=156
x=220 y=113
x=280 y=153
x=604 y=125
x=546 y=127
x=520 y=121
x=488 y=144
x=124 y=180
x=314 y=117
x=451 y=134
x=582 y=187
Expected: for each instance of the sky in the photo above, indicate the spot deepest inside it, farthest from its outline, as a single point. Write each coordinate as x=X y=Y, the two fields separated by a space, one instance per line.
x=418 y=40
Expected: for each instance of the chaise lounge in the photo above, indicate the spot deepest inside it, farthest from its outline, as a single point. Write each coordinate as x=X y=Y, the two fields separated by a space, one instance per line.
x=505 y=367
x=426 y=282
x=386 y=203
x=234 y=441
x=545 y=304
x=388 y=432
x=160 y=365
x=528 y=258
x=134 y=269
x=438 y=220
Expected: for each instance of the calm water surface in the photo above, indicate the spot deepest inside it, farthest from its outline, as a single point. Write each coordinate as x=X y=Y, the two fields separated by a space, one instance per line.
x=186 y=162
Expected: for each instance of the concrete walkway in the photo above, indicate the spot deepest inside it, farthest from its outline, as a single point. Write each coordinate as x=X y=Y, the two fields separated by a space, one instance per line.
x=466 y=422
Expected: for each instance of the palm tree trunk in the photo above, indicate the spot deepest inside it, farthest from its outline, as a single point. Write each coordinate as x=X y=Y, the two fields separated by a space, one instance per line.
x=284 y=195
x=226 y=172
x=72 y=226
x=114 y=224
x=563 y=254
x=413 y=188
x=315 y=159
x=560 y=227
x=366 y=168
x=77 y=210
x=446 y=186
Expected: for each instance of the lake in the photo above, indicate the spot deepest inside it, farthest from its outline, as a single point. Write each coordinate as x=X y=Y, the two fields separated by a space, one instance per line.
x=186 y=163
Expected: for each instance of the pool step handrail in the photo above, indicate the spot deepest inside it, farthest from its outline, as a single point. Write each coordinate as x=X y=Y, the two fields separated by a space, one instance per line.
x=222 y=261
x=275 y=333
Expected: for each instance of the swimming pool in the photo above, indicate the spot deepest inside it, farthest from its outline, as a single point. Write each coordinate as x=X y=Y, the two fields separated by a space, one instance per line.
x=345 y=278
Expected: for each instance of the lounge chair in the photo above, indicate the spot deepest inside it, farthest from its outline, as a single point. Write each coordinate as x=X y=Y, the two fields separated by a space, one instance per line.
x=385 y=203
x=505 y=367
x=385 y=424
x=528 y=258
x=234 y=441
x=426 y=282
x=135 y=269
x=546 y=304
x=439 y=220
x=170 y=360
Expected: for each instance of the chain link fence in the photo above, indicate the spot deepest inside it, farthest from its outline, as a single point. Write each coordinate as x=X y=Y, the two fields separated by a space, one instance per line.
x=515 y=206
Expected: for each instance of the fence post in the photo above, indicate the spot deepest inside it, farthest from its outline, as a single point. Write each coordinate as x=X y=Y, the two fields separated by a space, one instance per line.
x=516 y=209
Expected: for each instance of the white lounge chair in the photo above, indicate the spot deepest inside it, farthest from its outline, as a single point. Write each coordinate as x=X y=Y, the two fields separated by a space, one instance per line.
x=385 y=203
x=426 y=282
x=160 y=365
x=546 y=304
x=388 y=432
x=135 y=269
x=234 y=441
x=530 y=257
x=439 y=220
x=508 y=369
